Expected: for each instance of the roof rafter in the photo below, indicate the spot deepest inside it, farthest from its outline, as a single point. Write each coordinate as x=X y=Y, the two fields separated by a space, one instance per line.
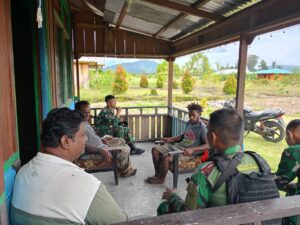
x=187 y=9
x=181 y=16
x=126 y=5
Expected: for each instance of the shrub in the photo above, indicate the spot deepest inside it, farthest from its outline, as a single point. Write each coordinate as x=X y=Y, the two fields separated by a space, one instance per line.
x=120 y=84
x=230 y=85
x=175 y=84
x=187 y=83
x=160 y=81
x=144 y=82
x=203 y=102
x=153 y=92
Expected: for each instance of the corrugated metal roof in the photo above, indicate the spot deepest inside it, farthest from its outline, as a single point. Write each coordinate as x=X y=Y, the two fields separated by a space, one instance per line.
x=143 y=16
x=273 y=71
x=140 y=25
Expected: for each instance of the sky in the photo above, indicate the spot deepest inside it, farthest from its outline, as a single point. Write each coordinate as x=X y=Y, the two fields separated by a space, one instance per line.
x=282 y=46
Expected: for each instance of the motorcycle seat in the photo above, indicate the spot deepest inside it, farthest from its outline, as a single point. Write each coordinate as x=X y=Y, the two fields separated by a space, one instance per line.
x=259 y=114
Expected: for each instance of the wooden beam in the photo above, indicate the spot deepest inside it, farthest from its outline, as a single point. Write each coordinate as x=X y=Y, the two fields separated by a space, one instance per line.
x=77 y=79
x=126 y=6
x=281 y=13
x=170 y=81
x=187 y=9
x=181 y=16
x=243 y=50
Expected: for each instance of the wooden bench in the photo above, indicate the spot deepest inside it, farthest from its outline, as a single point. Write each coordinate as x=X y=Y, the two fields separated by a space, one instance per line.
x=252 y=212
x=94 y=163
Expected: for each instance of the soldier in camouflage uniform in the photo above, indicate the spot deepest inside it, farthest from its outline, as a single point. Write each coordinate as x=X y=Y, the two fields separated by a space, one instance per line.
x=289 y=166
x=223 y=135
x=108 y=123
x=94 y=144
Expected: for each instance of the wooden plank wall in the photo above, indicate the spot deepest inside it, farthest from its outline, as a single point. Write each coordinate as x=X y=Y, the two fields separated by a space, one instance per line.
x=93 y=37
x=8 y=137
x=8 y=142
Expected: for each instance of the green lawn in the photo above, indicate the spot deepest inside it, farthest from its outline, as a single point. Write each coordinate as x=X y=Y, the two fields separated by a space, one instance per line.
x=268 y=150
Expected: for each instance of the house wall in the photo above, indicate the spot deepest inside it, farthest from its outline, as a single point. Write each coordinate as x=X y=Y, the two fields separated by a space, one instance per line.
x=8 y=125
x=83 y=74
x=271 y=76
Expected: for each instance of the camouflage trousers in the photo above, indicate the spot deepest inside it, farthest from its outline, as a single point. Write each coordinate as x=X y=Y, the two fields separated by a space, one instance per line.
x=116 y=131
x=122 y=132
x=124 y=164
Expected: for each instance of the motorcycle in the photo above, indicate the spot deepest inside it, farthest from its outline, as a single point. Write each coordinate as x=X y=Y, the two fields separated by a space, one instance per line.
x=269 y=123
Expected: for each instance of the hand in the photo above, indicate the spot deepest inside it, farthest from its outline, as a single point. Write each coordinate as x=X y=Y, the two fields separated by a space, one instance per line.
x=118 y=110
x=106 y=154
x=166 y=140
x=188 y=152
x=106 y=138
x=167 y=194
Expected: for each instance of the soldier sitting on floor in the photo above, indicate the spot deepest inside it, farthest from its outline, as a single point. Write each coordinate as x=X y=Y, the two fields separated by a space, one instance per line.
x=108 y=123
x=94 y=143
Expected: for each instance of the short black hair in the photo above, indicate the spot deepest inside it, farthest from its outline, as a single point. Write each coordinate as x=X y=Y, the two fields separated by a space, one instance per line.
x=227 y=124
x=60 y=122
x=195 y=106
x=109 y=97
x=81 y=103
x=294 y=124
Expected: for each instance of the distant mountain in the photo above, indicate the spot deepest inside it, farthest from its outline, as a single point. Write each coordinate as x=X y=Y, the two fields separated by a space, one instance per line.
x=137 y=67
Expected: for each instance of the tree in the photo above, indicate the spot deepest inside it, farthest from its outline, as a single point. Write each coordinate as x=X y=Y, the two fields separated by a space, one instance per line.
x=252 y=61
x=160 y=81
x=273 y=64
x=230 y=85
x=144 y=81
x=163 y=69
x=198 y=65
x=263 y=65
x=187 y=83
x=120 y=84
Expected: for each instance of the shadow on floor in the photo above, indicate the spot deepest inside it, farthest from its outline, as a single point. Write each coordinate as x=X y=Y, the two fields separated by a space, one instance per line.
x=136 y=198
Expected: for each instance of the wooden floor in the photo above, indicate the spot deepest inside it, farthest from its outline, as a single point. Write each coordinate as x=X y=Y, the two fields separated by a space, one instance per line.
x=137 y=198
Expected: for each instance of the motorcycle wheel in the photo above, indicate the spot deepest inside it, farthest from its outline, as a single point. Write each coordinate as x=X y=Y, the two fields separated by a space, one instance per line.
x=274 y=132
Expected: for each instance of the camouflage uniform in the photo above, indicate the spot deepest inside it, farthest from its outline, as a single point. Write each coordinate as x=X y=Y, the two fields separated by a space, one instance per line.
x=107 y=123
x=199 y=189
x=288 y=170
x=124 y=164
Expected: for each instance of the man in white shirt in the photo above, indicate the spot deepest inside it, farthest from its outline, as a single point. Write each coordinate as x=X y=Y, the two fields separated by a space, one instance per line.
x=94 y=143
x=50 y=189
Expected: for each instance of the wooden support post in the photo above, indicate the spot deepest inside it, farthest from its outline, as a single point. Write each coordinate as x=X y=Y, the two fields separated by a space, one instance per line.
x=240 y=92
x=241 y=74
x=77 y=78
x=170 y=82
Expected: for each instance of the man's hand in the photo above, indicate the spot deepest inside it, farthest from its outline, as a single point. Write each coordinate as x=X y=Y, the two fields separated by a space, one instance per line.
x=167 y=140
x=188 y=152
x=118 y=111
x=106 y=154
x=106 y=138
x=167 y=194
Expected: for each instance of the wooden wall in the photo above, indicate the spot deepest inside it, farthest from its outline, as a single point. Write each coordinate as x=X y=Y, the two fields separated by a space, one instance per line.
x=93 y=37
x=8 y=137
